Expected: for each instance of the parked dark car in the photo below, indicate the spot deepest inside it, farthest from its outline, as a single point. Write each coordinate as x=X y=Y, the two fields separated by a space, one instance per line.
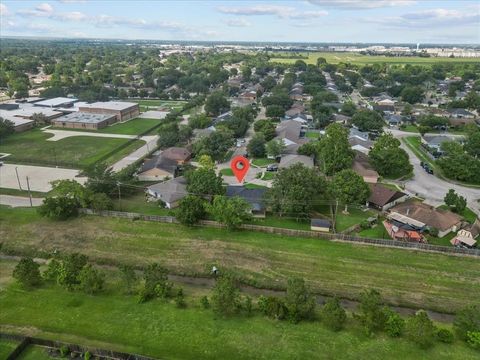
x=272 y=167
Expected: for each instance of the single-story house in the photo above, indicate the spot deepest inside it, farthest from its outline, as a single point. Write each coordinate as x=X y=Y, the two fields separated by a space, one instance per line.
x=341 y=119
x=322 y=225
x=394 y=119
x=383 y=198
x=360 y=144
x=179 y=154
x=434 y=142
x=461 y=113
x=362 y=167
x=158 y=168
x=466 y=237
x=253 y=196
x=291 y=159
x=223 y=117
x=443 y=220
x=170 y=191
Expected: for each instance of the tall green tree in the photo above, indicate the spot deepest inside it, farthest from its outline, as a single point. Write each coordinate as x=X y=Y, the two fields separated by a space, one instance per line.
x=216 y=103
x=256 y=146
x=467 y=320
x=370 y=312
x=349 y=188
x=388 y=158
x=333 y=315
x=204 y=182
x=335 y=152
x=191 y=210
x=7 y=128
x=368 y=120
x=295 y=191
x=231 y=212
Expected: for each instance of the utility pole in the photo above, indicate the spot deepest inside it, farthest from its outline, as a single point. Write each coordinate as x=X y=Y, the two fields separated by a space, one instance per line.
x=18 y=178
x=119 y=196
x=29 y=193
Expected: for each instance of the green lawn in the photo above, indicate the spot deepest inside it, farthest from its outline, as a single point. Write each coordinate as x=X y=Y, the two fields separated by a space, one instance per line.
x=136 y=203
x=312 y=134
x=226 y=172
x=359 y=59
x=443 y=241
x=254 y=186
x=410 y=128
x=376 y=232
x=415 y=144
x=159 y=329
x=6 y=347
x=268 y=175
x=77 y=151
x=132 y=127
x=262 y=162
x=34 y=353
x=287 y=223
x=412 y=278
x=18 y=192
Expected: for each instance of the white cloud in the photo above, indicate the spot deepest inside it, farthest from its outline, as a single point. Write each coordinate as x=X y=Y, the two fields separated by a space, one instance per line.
x=283 y=12
x=72 y=1
x=237 y=22
x=430 y=19
x=45 y=8
x=4 y=10
x=361 y=4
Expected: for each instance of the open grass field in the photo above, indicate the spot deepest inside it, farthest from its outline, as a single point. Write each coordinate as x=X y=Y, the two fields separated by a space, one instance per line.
x=78 y=151
x=358 y=59
x=145 y=104
x=34 y=353
x=132 y=127
x=6 y=347
x=409 y=278
x=161 y=330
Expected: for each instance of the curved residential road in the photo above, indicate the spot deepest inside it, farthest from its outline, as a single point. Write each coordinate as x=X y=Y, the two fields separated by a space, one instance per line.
x=430 y=187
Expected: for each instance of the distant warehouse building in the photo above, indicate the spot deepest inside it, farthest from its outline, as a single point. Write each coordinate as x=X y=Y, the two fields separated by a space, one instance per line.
x=81 y=120
x=122 y=110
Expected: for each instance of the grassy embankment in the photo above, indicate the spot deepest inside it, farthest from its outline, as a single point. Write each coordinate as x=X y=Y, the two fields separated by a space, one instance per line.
x=409 y=278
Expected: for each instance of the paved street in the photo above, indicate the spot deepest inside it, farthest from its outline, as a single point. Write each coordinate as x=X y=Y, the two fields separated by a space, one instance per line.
x=430 y=187
x=19 y=201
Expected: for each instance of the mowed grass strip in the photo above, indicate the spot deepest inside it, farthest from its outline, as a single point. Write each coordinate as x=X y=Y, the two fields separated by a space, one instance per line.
x=131 y=127
x=161 y=330
x=32 y=146
x=359 y=59
x=408 y=278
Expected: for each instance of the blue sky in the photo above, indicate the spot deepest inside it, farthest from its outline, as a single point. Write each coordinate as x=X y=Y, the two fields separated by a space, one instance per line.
x=409 y=21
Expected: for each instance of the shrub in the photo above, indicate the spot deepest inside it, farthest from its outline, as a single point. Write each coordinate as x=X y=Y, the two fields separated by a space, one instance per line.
x=299 y=302
x=225 y=296
x=420 y=329
x=27 y=273
x=272 y=307
x=53 y=270
x=394 y=324
x=91 y=280
x=248 y=305
x=87 y=355
x=445 y=336
x=467 y=320
x=364 y=225
x=333 y=315
x=204 y=302
x=473 y=339
x=180 y=299
x=64 y=350
x=371 y=312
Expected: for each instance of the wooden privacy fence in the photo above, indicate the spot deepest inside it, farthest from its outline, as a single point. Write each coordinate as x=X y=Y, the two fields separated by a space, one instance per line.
x=292 y=232
x=26 y=341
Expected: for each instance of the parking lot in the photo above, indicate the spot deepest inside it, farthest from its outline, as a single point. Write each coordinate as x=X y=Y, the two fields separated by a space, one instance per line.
x=39 y=177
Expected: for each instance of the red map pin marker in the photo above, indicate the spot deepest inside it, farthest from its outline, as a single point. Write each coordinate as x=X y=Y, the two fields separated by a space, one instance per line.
x=239 y=166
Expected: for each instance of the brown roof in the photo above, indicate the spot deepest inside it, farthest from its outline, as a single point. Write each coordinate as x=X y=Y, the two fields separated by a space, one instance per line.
x=177 y=154
x=362 y=166
x=381 y=195
x=435 y=218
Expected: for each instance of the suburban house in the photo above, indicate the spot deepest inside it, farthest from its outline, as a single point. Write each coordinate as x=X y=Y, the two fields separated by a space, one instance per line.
x=253 y=196
x=385 y=105
x=164 y=165
x=292 y=159
x=200 y=133
x=466 y=237
x=296 y=109
x=394 y=120
x=434 y=142
x=249 y=95
x=360 y=144
x=321 y=225
x=341 y=119
x=121 y=109
x=291 y=133
x=362 y=167
x=460 y=113
x=383 y=198
x=170 y=191
x=223 y=117
x=416 y=213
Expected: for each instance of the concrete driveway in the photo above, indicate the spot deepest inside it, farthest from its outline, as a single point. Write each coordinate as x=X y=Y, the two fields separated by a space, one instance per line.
x=140 y=153
x=39 y=176
x=19 y=201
